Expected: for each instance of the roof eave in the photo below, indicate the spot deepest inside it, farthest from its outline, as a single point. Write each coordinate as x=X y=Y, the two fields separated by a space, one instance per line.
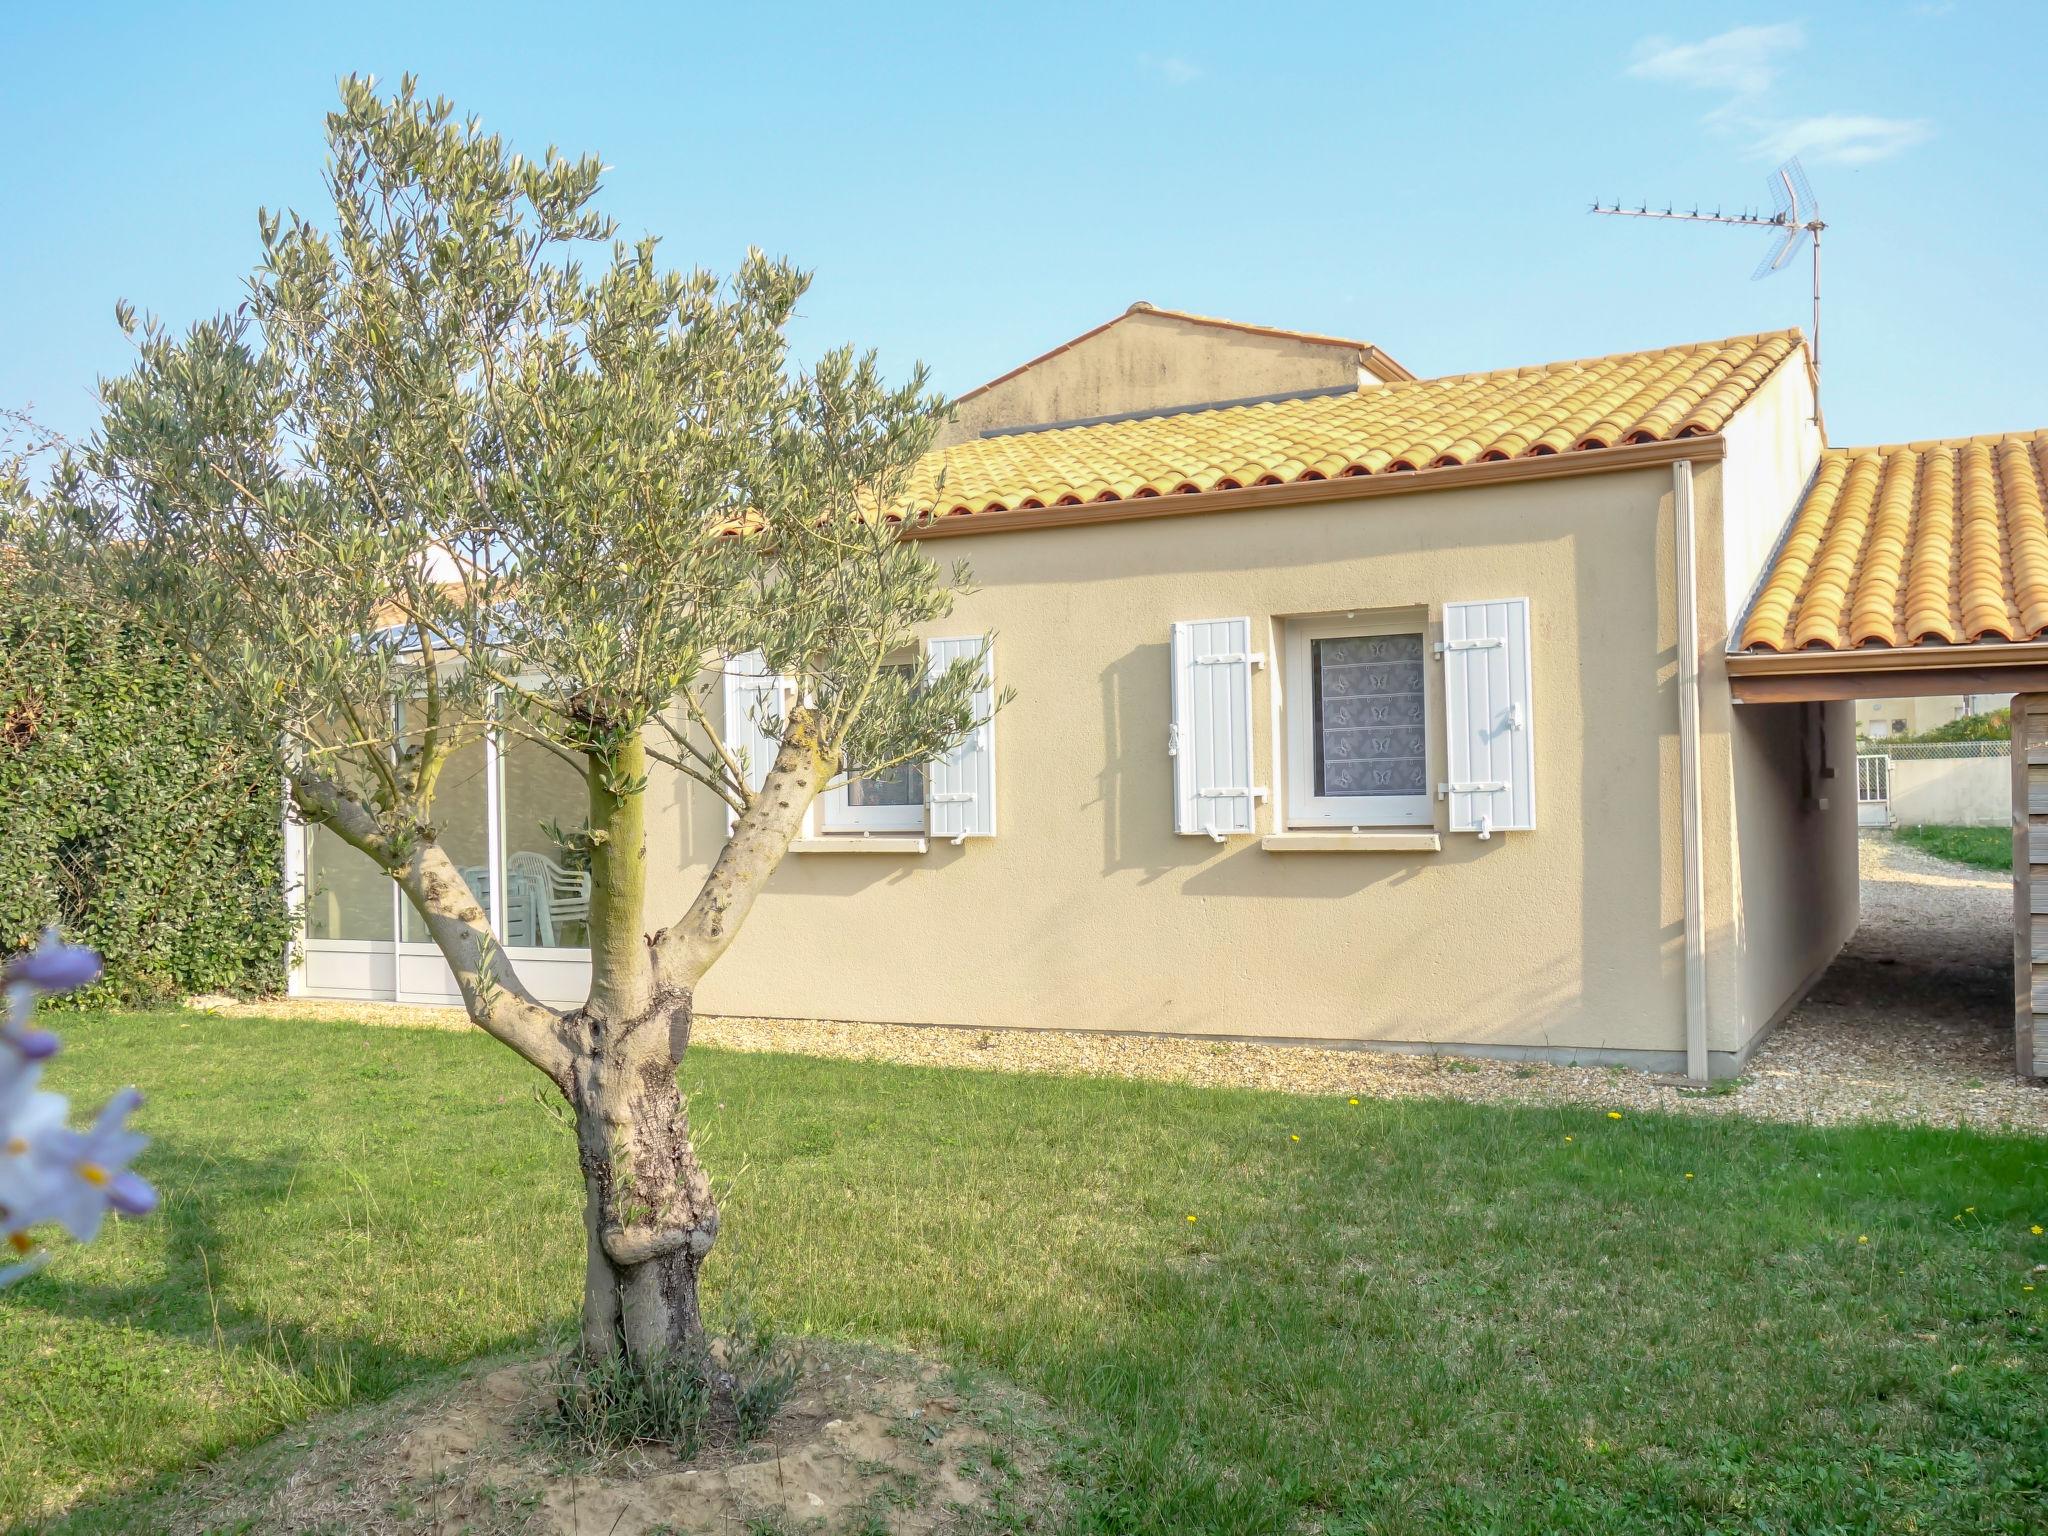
x=1815 y=661
x=1705 y=448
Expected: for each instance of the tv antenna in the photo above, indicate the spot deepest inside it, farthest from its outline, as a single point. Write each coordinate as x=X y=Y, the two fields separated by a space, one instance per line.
x=1796 y=216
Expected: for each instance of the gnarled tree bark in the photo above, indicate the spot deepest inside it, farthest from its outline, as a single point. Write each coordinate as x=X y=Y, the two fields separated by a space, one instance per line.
x=649 y=1214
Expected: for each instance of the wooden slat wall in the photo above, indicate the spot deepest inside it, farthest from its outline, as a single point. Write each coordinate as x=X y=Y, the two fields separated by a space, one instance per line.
x=2030 y=882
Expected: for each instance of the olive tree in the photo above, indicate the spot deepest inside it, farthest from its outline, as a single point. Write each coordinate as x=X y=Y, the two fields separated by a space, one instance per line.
x=466 y=460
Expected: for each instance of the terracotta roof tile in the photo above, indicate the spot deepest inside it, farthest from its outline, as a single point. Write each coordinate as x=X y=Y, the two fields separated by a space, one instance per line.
x=1404 y=426
x=1913 y=544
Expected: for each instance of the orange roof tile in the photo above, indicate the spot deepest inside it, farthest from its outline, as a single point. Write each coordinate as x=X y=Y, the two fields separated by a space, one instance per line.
x=1395 y=428
x=1913 y=544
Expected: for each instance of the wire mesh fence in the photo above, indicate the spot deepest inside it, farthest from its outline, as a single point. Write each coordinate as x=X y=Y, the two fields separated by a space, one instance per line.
x=1924 y=751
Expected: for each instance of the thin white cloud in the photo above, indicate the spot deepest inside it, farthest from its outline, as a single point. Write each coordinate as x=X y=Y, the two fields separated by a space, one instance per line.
x=1743 y=61
x=1171 y=67
x=1843 y=138
x=1742 y=66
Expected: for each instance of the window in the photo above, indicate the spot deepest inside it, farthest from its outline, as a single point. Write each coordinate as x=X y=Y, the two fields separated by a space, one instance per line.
x=1357 y=723
x=1899 y=727
x=493 y=826
x=547 y=903
x=347 y=895
x=890 y=801
x=461 y=820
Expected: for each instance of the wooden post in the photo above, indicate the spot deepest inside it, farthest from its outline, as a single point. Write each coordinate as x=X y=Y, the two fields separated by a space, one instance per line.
x=2029 y=875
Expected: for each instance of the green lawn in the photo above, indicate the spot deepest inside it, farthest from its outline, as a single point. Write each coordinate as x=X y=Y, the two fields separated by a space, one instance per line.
x=1418 y=1317
x=1984 y=847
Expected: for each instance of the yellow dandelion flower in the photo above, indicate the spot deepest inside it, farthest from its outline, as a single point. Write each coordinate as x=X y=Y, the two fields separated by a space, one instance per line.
x=1191 y=1221
x=1688 y=1175
x=1294 y=1138
x=1864 y=1238
x=1614 y=1114
x=2035 y=1229
x=1567 y=1138
x=1969 y=1210
x=1354 y=1101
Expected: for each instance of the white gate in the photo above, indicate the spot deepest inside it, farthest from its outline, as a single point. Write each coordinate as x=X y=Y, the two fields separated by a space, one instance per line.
x=1873 y=789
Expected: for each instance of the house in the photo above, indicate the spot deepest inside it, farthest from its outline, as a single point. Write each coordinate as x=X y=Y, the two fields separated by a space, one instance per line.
x=1504 y=713
x=1878 y=719
x=1152 y=361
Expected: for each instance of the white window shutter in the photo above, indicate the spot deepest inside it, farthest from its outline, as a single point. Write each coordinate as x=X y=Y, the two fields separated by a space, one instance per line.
x=1210 y=739
x=962 y=782
x=752 y=694
x=1491 y=731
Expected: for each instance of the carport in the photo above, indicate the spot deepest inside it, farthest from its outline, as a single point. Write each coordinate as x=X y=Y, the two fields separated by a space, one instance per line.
x=1923 y=569
x=1810 y=676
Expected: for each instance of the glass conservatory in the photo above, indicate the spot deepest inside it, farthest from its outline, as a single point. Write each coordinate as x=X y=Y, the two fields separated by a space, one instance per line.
x=362 y=938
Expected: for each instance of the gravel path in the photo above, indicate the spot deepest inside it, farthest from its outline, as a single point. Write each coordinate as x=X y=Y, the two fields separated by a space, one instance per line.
x=1913 y=1023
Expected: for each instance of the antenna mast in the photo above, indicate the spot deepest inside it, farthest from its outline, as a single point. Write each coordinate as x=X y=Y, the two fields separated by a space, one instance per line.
x=1796 y=217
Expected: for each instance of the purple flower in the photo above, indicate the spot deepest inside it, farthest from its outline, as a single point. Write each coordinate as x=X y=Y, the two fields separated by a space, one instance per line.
x=130 y=1194
x=33 y=1258
x=35 y=1044
x=49 y=1173
x=29 y=1044
x=54 y=966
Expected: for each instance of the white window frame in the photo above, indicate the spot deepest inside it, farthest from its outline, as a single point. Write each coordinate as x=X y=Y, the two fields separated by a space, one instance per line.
x=837 y=816
x=1304 y=807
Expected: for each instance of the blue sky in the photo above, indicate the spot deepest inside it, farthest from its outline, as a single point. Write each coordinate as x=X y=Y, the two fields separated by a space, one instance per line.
x=974 y=185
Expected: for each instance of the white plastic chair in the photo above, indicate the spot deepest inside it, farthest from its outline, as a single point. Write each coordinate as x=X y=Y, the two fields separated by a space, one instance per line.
x=558 y=896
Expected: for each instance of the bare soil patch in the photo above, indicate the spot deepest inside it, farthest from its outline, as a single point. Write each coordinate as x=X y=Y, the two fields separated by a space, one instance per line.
x=869 y=1443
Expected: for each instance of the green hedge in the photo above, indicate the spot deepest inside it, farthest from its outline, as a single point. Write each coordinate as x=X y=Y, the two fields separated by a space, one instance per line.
x=129 y=815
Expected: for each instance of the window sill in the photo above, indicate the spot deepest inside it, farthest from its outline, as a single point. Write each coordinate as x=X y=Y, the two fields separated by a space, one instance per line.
x=1352 y=842
x=857 y=842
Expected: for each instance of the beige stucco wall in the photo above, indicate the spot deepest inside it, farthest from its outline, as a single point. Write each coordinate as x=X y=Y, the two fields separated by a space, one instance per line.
x=1796 y=899
x=1147 y=361
x=1774 y=447
x=1089 y=911
x=1780 y=872
x=1951 y=791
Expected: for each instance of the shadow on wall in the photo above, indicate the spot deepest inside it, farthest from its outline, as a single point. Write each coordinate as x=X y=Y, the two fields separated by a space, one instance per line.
x=1135 y=782
x=1626 y=743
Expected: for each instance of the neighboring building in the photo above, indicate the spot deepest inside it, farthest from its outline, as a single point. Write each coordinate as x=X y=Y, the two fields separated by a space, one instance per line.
x=1880 y=718
x=1387 y=712
x=1160 y=361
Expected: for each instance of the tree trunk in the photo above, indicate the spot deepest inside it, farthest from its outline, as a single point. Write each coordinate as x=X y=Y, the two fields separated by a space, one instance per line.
x=649 y=1217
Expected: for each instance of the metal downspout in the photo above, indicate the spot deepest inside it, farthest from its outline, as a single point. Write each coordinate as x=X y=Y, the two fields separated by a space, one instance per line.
x=1689 y=773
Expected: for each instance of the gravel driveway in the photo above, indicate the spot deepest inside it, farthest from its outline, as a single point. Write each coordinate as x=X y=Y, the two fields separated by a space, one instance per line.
x=1912 y=1023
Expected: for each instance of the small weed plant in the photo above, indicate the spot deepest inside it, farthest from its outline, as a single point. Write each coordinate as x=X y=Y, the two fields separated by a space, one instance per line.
x=727 y=1391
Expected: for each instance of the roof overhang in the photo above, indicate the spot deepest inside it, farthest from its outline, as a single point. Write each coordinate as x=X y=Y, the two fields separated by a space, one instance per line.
x=1706 y=448
x=1878 y=672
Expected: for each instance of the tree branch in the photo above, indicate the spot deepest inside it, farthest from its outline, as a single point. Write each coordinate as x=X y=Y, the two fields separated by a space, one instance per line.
x=684 y=951
x=493 y=995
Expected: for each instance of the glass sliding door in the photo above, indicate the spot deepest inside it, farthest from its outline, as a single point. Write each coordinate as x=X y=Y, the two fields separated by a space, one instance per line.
x=346 y=947
x=347 y=895
x=496 y=795
x=547 y=899
x=462 y=827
